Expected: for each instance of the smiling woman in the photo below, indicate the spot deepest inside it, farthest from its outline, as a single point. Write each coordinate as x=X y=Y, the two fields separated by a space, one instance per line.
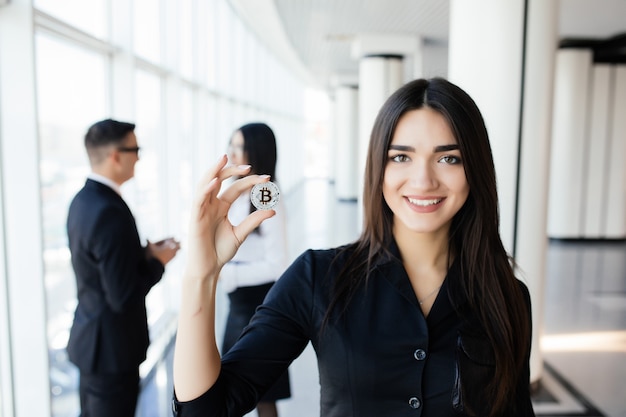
x=430 y=248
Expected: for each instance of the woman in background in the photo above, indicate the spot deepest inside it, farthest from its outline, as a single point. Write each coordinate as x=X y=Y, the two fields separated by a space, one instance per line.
x=262 y=257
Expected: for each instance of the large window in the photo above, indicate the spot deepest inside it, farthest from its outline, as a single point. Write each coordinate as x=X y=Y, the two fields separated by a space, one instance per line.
x=187 y=74
x=147 y=29
x=88 y=16
x=70 y=98
x=142 y=194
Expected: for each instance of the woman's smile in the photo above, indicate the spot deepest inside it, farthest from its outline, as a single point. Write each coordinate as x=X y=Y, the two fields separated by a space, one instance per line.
x=424 y=183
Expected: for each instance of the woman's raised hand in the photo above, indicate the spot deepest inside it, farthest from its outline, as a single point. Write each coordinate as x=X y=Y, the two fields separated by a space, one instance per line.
x=213 y=240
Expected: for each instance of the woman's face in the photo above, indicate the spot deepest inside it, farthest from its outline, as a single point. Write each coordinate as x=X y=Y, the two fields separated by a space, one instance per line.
x=236 y=155
x=424 y=182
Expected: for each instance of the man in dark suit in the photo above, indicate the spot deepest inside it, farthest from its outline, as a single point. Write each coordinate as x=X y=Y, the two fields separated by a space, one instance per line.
x=114 y=273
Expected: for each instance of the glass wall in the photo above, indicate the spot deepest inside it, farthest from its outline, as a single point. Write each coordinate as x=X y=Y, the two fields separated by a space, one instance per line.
x=187 y=73
x=69 y=97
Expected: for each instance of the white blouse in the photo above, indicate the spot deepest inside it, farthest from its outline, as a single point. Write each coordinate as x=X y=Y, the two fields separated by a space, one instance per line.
x=262 y=257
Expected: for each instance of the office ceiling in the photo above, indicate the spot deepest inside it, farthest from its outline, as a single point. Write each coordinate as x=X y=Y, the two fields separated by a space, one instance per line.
x=314 y=36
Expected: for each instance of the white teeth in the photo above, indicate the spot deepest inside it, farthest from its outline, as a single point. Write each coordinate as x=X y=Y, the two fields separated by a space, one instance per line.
x=424 y=203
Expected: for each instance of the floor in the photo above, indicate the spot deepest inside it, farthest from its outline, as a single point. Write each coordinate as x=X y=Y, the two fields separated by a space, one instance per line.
x=584 y=330
x=584 y=327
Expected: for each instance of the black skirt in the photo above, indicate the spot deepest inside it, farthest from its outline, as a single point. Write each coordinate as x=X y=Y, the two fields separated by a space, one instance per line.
x=243 y=304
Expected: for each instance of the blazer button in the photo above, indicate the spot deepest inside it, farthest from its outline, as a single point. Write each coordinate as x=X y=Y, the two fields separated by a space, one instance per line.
x=414 y=402
x=419 y=354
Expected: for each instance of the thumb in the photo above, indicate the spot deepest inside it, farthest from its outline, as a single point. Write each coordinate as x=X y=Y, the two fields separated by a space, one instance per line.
x=243 y=229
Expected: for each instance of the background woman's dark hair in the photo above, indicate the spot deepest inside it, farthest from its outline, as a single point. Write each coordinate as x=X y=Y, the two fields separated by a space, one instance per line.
x=488 y=283
x=259 y=147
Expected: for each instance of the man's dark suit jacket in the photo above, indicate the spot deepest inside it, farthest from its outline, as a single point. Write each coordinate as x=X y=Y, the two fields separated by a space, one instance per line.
x=113 y=277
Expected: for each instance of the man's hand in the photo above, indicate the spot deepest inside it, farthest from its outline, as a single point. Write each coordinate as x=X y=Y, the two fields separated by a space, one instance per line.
x=164 y=250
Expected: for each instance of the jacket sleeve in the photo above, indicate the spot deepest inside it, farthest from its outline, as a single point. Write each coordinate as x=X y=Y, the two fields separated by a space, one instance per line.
x=125 y=271
x=277 y=335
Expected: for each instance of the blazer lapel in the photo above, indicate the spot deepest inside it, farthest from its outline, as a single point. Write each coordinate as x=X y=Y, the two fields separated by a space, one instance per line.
x=393 y=271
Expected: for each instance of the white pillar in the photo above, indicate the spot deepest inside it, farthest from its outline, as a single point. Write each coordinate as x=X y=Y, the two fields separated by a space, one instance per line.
x=416 y=60
x=536 y=127
x=571 y=95
x=587 y=175
x=333 y=143
x=379 y=76
x=24 y=368
x=489 y=68
x=346 y=141
x=615 y=226
x=381 y=72
x=596 y=143
x=510 y=77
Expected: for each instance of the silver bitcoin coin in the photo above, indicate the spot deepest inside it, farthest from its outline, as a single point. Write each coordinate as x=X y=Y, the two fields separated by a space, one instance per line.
x=265 y=196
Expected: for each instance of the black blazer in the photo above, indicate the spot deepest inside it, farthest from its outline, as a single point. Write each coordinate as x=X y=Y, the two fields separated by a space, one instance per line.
x=113 y=277
x=383 y=357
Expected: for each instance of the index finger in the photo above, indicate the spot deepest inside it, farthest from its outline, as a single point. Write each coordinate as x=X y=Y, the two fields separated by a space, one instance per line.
x=229 y=195
x=211 y=181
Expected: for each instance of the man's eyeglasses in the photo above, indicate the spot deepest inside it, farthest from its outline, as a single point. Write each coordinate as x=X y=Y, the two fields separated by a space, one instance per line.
x=129 y=149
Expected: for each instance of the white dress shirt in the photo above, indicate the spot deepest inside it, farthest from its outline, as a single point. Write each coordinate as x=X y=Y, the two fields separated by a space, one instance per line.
x=262 y=258
x=106 y=181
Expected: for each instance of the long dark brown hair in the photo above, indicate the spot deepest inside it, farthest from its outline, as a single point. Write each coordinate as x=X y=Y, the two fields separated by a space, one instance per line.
x=259 y=147
x=488 y=282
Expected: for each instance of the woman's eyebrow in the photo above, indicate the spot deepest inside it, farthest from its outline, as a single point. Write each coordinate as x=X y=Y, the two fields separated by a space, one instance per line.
x=402 y=148
x=440 y=148
x=445 y=148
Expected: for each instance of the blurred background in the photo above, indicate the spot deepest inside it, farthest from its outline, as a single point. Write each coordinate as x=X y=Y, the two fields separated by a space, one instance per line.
x=549 y=76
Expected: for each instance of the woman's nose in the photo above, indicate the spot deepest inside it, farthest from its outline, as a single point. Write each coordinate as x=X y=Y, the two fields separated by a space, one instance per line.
x=423 y=175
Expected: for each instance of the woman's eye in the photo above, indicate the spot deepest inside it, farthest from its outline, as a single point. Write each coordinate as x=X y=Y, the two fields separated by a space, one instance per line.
x=399 y=158
x=450 y=159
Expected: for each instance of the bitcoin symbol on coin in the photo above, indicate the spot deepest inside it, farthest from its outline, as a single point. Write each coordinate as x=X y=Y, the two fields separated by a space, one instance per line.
x=264 y=196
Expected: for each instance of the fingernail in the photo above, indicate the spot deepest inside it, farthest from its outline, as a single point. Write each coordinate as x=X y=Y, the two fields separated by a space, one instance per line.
x=264 y=176
x=243 y=166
